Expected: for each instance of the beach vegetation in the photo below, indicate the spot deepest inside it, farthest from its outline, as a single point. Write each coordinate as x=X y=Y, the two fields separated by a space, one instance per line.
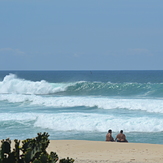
x=30 y=151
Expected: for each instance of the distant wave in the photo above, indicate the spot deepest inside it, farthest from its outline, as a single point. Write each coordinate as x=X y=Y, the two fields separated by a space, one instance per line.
x=12 y=84
x=116 y=89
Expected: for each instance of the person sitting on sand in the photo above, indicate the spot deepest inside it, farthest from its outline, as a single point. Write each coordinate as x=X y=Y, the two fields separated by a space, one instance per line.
x=121 y=137
x=109 y=136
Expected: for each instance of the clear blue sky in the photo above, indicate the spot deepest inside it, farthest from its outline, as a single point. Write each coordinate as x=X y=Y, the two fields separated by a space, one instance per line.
x=81 y=35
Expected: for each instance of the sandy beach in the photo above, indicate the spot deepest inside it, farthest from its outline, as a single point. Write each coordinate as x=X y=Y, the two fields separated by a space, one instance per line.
x=102 y=152
x=83 y=151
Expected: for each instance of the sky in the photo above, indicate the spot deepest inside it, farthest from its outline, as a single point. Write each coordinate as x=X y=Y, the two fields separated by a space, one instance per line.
x=81 y=35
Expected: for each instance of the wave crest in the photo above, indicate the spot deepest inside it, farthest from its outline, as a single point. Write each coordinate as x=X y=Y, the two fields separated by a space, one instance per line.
x=12 y=84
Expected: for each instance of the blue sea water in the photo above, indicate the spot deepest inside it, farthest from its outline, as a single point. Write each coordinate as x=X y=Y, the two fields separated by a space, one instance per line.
x=82 y=105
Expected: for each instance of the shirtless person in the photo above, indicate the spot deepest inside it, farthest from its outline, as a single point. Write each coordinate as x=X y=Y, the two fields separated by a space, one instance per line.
x=109 y=136
x=121 y=137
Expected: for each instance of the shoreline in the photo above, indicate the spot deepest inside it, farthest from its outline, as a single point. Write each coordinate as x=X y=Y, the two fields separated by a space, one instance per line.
x=83 y=151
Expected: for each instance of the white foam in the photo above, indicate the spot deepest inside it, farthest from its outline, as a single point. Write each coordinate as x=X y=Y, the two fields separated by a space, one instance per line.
x=12 y=84
x=18 y=116
x=148 y=105
x=96 y=122
x=77 y=121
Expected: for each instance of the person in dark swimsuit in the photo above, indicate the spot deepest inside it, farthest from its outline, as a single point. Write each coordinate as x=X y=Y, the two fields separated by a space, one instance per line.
x=121 y=137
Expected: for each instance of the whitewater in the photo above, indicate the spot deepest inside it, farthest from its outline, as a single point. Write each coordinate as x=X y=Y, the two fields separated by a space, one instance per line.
x=82 y=105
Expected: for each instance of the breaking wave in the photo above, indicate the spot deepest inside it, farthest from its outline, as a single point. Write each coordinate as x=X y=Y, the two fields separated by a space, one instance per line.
x=12 y=84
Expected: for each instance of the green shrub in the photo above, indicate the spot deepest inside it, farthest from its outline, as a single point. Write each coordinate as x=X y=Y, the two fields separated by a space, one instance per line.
x=32 y=151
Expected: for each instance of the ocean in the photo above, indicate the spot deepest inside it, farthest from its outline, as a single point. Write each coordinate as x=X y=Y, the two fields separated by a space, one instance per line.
x=82 y=105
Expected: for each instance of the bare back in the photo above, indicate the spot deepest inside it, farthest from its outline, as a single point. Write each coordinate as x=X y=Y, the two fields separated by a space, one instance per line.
x=121 y=137
x=109 y=137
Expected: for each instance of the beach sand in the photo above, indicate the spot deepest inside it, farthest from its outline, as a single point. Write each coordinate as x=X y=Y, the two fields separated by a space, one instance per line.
x=103 y=152
x=83 y=151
